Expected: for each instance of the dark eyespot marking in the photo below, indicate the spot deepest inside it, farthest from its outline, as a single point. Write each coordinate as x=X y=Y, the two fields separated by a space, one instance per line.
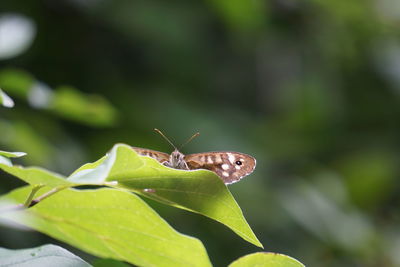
x=238 y=162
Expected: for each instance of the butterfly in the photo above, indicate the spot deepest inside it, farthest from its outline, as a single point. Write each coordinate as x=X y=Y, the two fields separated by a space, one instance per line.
x=230 y=166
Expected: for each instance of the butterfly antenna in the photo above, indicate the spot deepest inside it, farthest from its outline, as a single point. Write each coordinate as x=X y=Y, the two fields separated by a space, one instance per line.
x=190 y=139
x=166 y=138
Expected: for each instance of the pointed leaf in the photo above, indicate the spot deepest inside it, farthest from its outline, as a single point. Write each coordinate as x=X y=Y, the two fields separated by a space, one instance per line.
x=108 y=223
x=266 y=259
x=5 y=155
x=198 y=191
x=12 y=154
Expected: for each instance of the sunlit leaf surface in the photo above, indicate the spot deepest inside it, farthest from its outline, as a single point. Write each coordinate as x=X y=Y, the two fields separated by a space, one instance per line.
x=199 y=191
x=262 y=259
x=108 y=223
x=35 y=176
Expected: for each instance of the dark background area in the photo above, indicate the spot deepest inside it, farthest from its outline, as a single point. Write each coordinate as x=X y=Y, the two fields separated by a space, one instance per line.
x=310 y=88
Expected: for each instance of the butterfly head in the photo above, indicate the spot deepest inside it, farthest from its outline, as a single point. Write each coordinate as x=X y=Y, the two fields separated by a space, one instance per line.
x=177 y=160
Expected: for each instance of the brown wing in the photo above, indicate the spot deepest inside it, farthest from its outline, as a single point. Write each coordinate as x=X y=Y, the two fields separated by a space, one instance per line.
x=160 y=156
x=230 y=166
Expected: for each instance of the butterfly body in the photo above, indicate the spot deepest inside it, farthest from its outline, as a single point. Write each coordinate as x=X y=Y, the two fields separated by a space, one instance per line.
x=228 y=165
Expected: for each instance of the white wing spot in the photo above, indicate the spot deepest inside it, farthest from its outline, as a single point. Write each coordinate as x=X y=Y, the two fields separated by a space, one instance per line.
x=209 y=160
x=225 y=166
x=226 y=174
x=231 y=158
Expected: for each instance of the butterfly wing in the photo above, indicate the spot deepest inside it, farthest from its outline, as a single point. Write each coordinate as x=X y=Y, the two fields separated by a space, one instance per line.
x=159 y=156
x=230 y=166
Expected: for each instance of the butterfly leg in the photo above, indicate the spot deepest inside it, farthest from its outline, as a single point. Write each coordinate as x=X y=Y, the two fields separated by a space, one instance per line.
x=181 y=165
x=167 y=164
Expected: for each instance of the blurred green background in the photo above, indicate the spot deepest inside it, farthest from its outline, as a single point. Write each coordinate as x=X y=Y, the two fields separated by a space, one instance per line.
x=310 y=88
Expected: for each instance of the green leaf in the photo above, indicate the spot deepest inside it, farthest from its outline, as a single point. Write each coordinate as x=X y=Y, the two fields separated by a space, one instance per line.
x=108 y=223
x=109 y=263
x=93 y=110
x=16 y=81
x=12 y=154
x=4 y=155
x=47 y=255
x=198 y=191
x=266 y=259
x=21 y=135
x=35 y=176
x=5 y=100
x=240 y=15
x=66 y=101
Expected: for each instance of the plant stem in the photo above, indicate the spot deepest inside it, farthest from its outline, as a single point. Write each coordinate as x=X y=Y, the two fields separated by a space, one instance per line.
x=47 y=194
x=30 y=202
x=31 y=195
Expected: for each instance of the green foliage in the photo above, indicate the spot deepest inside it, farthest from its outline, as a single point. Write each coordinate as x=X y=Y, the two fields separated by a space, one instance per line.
x=93 y=110
x=4 y=156
x=310 y=88
x=245 y=16
x=20 y=135
x=12 y=154
x=37 y=176
x=46 y=255
x=108 y=223
x=266 y=260
x=65 y=101
x=108 y=263
x=114 y=223
x=197 y=191
x=17 y=82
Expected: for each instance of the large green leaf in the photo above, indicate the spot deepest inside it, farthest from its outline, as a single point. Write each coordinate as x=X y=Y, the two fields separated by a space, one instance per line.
x=47 y=255
x=108 y=223
x=262 y=259
x=198 y=191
